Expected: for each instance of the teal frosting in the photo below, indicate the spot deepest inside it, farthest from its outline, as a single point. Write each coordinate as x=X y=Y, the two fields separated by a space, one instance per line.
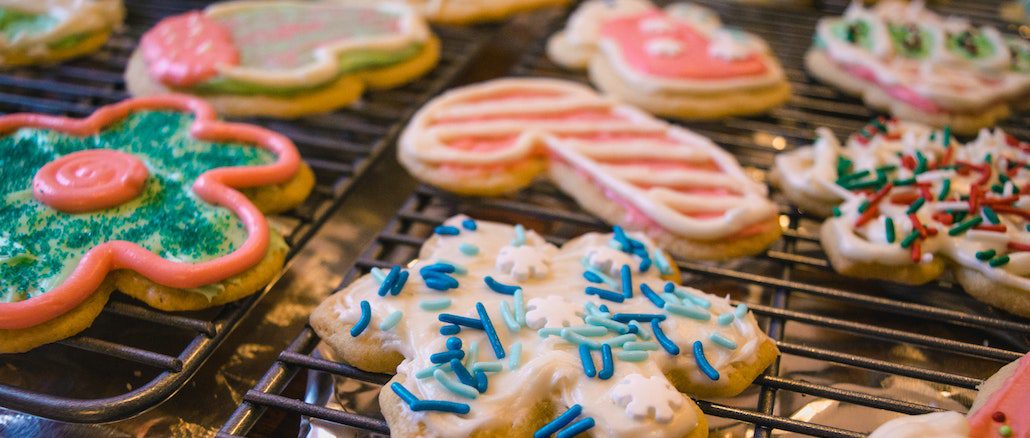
x=16 y=24
x=41 y=246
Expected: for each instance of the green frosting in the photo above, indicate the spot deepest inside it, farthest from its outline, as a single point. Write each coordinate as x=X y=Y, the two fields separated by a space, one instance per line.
x=970 y=44
x=15 y=24
x=911 y=41
x=41 y=246
x=349 y=63
x=855 y=32
x=1020 y=56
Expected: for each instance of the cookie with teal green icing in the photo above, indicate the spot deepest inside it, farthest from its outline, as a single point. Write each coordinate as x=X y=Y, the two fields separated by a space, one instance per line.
x=55 y=30
x=151 y=196
x=285 y=58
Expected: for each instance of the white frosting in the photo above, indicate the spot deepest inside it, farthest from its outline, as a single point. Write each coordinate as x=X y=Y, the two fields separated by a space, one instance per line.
x=73 y=17
x=663 y=47
x=811 y=171
x=667 y=197
x=636 y=401
x=949 y=80
x=937 y=425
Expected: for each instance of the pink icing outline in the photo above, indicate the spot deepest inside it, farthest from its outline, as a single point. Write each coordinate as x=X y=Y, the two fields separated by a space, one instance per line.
x=216 y=186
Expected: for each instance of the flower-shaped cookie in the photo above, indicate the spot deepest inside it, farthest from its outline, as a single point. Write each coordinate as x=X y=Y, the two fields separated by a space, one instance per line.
x=283 y=58
x=479 y=352
x=145 y=190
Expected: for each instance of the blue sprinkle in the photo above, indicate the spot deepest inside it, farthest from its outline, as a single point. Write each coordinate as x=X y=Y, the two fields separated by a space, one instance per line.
x=548 y=331
x=441 y=406
x=576 y=339
x=702 y=361
x=378 y=274
x=509 y=319
x=627 y=281
x=692 y=312
x=391 y=320
x=437 y=304
x=399 y=286
x=499 y=287
x=640 y=346
x=725 y=318
x=453 y=343
x=481 y=382
x=591 y=331
x=404 y=394
x=458 y=269
x=607 y=323
x=520 y=307
x=455 y=386
x=520 y=235
x=460 y=320
x=446 y=356
x=723 y=341
x=604 y=277
x=669 y=287
x=604 y=309
x=445 y=268
x=561 y=421
x=605 y=294
x=620 y=236
x=446 y=230
x=462 y=373
x=366 y=317
x=389 y=281
x=632 y=355
x=468 y=249
x=576 y=428
x=635 y=328
x=696 y=300
x=645 y=317
x=671 y=298
x=516 y=356
x=439 y=281
x=661 y=262
x=450 y=329
x=607 y=364
x=665 y=342
x=587 y=360
x=490 y=367
x=740 y=311
x=651 y=295
x=473 y=354
x=645 y=264
x=592 y=277
x=469 y=224
x=620 y=340
x=491 y=334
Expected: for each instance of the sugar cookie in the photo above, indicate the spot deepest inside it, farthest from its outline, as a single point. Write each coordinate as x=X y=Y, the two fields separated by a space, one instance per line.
x=46 y=31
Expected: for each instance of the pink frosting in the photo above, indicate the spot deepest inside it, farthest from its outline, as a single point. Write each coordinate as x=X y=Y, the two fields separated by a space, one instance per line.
x=692 y=62
x=1012 y=400
x=187 y=49
x=899 y=92
x=89 y=180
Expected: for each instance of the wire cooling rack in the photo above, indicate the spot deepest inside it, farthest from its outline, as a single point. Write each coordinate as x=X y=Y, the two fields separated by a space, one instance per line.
x=845 y=343
x=155 y=352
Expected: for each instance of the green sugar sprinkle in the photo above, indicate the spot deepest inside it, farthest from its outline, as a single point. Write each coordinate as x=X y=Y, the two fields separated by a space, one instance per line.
x=908 y=240
x=999 y=261
x=947 y=136
x=965 y=226
x=837 y=212
x=992 y=217
x=904 y=182
x=888 y=224
x=853 y=176
x=945 y=189
x=986 y=254
x=916 y=205
x=920 y=163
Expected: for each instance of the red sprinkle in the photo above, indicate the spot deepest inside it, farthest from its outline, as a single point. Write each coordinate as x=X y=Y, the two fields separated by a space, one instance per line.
x=869 y=214
x=974 y=199
x=1016 y=246
x=998 y=416
x=908 y=162
x=947 y=156
x=1007 y=209
x=943 y=218
x=917 y=252
x=878 y=196
x=924 y=190
x=1003 y=200
x=904 y=198
x=917 y=225
x=991 y=227
x=931 y=231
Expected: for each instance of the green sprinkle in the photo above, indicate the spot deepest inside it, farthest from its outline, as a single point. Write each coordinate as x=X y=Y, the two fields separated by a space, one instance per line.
x=907 y=242
x=872 y=183
x=999 y=261
x=391 y=320
x=1005 y=431
x=920 y=163
x=723 y=341
x=946 y=136
x=468 y=249
x=965 y=225
x=888 y=225
x=1027 y=227
x=843 y=165
x=634 y=345
x=886 y=168
x=631 y=356
x=836 y=212
x=988 y=158
x=864 y=206
x=997 y=188
x=435 y=304
x=852 y=177
x=916 y=205
x=1003 y=178
x=488 y=367
x=516 y=355
x=992 y=217
x=985 y=255
x=904 y=182
x=945 y=189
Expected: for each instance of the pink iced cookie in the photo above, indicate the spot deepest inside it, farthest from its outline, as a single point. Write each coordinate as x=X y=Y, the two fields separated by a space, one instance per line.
x=187 y=49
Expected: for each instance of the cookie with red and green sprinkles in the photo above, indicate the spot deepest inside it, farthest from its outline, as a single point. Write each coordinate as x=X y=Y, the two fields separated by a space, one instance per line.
x=143 y=196
x=493 y=331
x=911 y=197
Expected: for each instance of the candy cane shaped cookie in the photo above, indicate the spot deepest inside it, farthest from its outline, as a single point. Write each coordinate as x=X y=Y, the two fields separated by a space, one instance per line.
x=616 y=161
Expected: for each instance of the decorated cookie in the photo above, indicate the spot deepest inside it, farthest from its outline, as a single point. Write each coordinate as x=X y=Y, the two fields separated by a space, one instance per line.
x=677 y=62
x=619 y=163
x=44 y=31
x=1016 y=11
x=595 y=338
x=141 y=196
x=913 y=197
x=919 y=66
x=476 y=11
x=999 y=411
x=283 y=58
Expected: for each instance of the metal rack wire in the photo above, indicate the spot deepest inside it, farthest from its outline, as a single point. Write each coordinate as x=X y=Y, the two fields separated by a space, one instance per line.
x=339 y=147
x=865 y=331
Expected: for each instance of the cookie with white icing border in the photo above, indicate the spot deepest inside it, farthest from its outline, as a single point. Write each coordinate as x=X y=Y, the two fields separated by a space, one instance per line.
x=905 y=59
x=999 y=411
x=47 y=31
x=283 y=58
x=619 y=163
x=677 y=62
x=477 y=11
x=915 y=202
x=494 y=332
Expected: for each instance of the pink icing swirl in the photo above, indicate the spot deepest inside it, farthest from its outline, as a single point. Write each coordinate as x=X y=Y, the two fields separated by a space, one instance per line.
x=89 y=180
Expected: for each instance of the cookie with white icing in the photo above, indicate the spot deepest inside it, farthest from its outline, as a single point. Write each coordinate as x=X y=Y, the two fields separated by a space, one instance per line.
x=914 y=202
x=283 y=58
x=999 y=411
x=45 y=31
x=477 y=11
x=619 y=163
x=594 y=338
x=919 y=66
x=677 y=62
